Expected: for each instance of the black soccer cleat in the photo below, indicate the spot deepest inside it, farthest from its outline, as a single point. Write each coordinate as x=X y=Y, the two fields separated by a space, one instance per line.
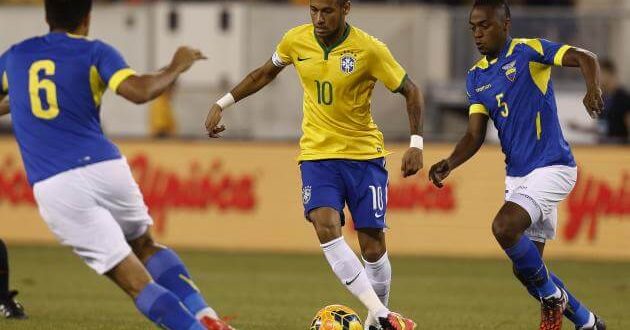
x=599 y=325
x=10 y=308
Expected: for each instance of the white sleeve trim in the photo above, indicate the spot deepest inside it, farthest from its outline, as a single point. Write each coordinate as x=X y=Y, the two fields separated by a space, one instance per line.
x=277 y=61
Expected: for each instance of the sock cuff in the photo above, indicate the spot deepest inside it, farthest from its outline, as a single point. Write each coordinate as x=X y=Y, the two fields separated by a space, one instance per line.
x=148 y=296
x=521 y=248
x=162 y=261
x=332 y=243
x=378 y=263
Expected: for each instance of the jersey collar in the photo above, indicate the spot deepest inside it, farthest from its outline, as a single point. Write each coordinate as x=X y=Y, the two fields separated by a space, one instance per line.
x=484 y=63
x=327 y=50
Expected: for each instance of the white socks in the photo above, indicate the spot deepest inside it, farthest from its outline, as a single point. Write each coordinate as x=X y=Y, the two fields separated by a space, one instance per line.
x=380 y=275
x=590 y=323
x=208 y=311
x=350 y=271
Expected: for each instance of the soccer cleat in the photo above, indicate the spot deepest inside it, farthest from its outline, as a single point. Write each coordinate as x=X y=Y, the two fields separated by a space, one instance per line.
x=215 y=324
x=371 y=323
x=599 y=325
x=10 y=308
x=552 y=312
x=395 y=321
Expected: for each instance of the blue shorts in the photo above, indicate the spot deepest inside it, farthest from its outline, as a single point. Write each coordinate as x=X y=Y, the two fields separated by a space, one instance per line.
x=361 y=184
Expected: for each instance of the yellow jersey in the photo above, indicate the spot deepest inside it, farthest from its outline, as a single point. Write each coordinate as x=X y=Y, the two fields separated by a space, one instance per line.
x=338 y=83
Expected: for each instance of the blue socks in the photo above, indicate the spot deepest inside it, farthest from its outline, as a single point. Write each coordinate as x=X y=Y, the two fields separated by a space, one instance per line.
x=541 y=283
x=576 y=311
x=164 y=309
x=168 y=270
x=528 y=263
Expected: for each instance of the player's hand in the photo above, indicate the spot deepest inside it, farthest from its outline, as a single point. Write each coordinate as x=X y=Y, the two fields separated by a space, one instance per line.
x=212 y=122
x=439 y=172
x=594 y=102
x=185 y=57
x=412 y=162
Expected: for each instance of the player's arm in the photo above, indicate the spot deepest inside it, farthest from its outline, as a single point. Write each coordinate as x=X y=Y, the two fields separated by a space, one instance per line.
x=589 y=65
x=251 y=84
x=4 y=85
x=412 y=160
x=465 y=149
x=4 y=105
x=140 y=89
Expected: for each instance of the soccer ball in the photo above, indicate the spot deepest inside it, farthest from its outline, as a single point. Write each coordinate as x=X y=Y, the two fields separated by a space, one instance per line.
x=336 y=317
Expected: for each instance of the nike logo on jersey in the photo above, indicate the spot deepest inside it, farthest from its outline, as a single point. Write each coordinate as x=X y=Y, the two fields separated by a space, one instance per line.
x=378 y=215
x=303 y=59
x=354 y=279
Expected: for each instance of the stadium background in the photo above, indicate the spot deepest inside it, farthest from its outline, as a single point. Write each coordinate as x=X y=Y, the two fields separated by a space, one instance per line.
x=238 y=200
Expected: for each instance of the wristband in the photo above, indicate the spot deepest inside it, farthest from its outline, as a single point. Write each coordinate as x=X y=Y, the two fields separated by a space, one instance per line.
x=416 y=142
x=226 y=101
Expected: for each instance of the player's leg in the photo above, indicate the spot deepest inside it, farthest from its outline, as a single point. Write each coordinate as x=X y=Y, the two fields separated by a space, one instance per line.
x=508 y=228
x=377 y=266
x=157 y=303
x=576 y=312
x=323 y=192
x=344 y=263
x=366 y=183
x=376 y=261
x=9 y=307
x=68 y=204
x=169 y=270
x=120 y=194
x=528 y=213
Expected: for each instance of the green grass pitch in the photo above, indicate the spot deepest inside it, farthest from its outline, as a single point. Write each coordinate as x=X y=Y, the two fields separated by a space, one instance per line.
x=283 y=291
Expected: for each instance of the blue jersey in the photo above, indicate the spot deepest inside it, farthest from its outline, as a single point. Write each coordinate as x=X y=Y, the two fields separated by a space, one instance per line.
x=515 y=90
x=55 y=85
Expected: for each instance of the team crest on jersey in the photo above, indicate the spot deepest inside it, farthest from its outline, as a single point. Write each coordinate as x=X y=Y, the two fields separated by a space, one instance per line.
x=306 y=194
x=510 y=70
x=348 y=63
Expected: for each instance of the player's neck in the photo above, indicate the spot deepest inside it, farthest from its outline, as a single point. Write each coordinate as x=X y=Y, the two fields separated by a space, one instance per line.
x=78 y=32
x=334 y=38
x=494 y=55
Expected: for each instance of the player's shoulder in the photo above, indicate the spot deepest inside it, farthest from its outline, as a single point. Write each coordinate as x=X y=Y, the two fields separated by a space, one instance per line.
x=481 y=64
x=364 y=38
x=27 y=44
x=526 y=44
x=299 y=31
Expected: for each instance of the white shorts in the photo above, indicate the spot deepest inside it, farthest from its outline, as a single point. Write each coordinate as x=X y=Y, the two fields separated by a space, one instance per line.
x=94 y=209
x=539 y=193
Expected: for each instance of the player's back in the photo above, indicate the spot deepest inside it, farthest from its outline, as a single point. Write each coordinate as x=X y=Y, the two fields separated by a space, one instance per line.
x=55 y=84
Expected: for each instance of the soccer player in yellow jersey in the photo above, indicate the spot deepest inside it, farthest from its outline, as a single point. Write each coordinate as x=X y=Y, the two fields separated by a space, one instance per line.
x=342 y=152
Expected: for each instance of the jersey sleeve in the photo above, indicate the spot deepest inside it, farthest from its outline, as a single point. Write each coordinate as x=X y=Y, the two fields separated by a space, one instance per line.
x=547 y=52
x=475 y=105
x=282 y=56
x=4 y=79
x=111 y=66
x=385 y=68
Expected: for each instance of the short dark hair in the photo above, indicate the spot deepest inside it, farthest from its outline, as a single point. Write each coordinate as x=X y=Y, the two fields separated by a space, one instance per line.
x=608 y=65
x=67 y=14
x=497 y=4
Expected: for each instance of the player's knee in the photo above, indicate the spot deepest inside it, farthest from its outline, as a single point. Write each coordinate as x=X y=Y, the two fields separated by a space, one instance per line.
x=327 y=224
x=144 y=247
x=327 y=232
x=504 y=230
